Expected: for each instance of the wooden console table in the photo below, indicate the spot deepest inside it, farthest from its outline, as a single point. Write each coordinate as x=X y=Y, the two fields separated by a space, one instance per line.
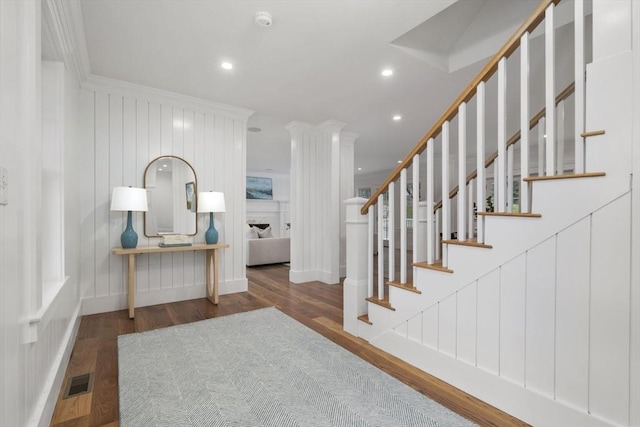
x=211 y=260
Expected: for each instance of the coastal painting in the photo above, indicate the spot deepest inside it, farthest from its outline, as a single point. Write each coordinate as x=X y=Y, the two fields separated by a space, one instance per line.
x=259 y=188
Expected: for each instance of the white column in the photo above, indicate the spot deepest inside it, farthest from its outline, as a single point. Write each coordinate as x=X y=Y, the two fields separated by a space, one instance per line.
x=347 y=188
x=315 y=201
x=355 y=282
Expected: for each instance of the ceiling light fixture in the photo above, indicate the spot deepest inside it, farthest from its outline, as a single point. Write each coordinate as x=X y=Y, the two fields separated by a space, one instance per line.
x=359 y=169
x=399 y=161
x=397 y=117
x=387 y=72
x=227 y=65
x=254 y=129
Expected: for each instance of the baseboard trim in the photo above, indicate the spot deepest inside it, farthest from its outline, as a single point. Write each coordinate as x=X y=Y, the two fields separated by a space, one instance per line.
x=43 y=411
x=160 y=296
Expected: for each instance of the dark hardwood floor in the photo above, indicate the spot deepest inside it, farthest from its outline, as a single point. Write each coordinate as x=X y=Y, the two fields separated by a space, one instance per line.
x=314 y=304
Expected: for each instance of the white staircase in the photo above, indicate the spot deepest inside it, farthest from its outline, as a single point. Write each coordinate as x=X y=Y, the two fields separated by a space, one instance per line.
x=537 y=314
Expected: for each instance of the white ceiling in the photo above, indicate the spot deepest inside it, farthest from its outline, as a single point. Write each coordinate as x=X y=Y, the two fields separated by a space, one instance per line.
x=320 y=60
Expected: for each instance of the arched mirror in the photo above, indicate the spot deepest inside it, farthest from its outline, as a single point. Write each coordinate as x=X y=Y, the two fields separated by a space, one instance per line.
x=171 y=193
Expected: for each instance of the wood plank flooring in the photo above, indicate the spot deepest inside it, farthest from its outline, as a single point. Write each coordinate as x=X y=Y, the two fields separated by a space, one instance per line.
x=314 y=304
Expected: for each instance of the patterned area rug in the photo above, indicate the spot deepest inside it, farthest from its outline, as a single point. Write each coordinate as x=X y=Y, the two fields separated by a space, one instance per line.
x=260 y=368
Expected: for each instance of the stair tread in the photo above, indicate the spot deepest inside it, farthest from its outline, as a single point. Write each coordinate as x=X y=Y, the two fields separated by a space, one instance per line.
x=407 y=286
x=512 y=214
x=471 y=242
x=565 y=176
x=437 y=265
x=365 y=318
x=381 y=302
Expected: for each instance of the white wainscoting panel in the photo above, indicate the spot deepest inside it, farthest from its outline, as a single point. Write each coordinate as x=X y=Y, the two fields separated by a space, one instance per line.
x=572 y=315
x=512 y=319
x=447 y=325
x=466 y=335
x=488 y=349
x=540 y=318
x=610 y=311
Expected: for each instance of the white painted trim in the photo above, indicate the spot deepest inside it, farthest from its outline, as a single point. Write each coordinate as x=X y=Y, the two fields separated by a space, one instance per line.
x=512 y=398
x=39 y=321
x=109 y=303
x=122 y=88
x=43 y=410
x=634 y=357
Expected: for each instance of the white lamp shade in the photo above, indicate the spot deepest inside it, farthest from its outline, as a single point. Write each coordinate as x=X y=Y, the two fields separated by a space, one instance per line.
x=211 y=201
x=129 y=199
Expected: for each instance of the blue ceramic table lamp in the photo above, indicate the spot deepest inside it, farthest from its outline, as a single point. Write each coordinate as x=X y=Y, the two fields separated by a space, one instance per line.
x=129 y=199
x=211 y=202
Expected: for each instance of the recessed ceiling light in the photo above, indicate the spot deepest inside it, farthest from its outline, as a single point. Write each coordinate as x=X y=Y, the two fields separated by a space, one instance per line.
x=397 y=117
x=227 y=65
x=387 y=72
x=359 y=169
x=254 y=129
x=399 y=161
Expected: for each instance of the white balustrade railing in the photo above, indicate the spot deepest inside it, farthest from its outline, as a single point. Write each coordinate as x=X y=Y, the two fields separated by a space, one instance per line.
x=499 y=178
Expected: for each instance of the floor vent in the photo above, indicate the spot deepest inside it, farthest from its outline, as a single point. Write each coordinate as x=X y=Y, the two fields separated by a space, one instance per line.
x=77 y=385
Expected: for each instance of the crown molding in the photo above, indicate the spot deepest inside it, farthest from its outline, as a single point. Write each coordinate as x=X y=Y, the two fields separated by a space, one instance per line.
x=126 y=89
x=63 y=24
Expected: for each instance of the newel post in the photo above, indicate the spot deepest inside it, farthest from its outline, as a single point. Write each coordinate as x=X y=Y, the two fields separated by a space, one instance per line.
x=355 y=283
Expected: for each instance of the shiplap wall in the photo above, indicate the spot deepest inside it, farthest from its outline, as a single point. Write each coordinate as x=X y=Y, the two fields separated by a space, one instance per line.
x=125 y=127
x=554 y=320
x=33 y=356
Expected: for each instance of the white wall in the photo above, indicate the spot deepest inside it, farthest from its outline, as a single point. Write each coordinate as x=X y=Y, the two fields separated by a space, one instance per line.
x=125 y=127
x=35 y=339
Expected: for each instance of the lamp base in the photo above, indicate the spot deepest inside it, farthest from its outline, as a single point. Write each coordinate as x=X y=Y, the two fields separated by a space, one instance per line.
x=211 y=235
x=129 y=238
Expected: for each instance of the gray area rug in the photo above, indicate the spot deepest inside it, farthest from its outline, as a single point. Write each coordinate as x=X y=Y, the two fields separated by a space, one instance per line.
x=260 y=368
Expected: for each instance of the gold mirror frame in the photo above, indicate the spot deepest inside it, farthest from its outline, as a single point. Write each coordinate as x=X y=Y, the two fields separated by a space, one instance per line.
x=190 y=207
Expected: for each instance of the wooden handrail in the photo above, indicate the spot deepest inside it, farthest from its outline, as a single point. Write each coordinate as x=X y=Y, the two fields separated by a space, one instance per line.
x=485 y=74
x=567 y=92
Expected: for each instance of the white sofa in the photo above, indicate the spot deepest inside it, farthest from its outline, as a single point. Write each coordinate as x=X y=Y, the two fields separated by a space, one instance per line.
x=271 y=250
x=266 y=249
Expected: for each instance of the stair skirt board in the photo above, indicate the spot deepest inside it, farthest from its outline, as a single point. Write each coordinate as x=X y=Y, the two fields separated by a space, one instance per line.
x=522 y=403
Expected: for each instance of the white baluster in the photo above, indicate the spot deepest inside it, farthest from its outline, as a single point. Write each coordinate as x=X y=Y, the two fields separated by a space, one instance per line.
x=470 y=210
x=510 y=178
x=481 y=178
x=446 y=233
x=438 y=233
x=462 y=171
x=550 y=87
x=560 y=117
x=431 y=241
x=380 y=250
x=499 y=180
x=416 y=204
x=579 y=70
x=391 y=232
x=370 y=248
x=524 y=122
x=403 y=226
x=542 y=145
